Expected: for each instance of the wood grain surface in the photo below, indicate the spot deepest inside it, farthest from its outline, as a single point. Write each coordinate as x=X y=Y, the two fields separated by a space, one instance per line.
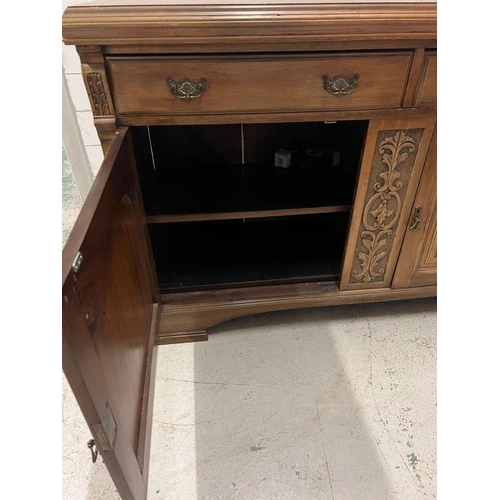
x=137 y=23
x=417 y=263
x=426 y=95
x=395 y=151
x=108 y=314
x=264 y=63
x=187 y=316
x=257 y=84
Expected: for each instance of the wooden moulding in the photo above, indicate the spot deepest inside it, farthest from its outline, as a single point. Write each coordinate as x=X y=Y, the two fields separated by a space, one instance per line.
x=273 y=117
x=185 y=317
x=226 y=24
x=306 y=45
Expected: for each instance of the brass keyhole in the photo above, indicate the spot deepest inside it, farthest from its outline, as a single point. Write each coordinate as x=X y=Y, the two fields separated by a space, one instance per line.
x=415 y=222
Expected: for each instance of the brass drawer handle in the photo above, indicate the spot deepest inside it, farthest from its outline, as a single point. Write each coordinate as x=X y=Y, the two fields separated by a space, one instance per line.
x=186 y=88
x=340 y=85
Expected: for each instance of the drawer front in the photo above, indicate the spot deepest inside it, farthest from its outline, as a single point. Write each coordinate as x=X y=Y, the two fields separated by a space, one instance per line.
x=194 y=85
x=427 y=91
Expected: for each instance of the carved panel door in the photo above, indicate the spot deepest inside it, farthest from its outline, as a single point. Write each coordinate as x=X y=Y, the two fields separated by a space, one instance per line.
x=393 y=158
x=417 y=264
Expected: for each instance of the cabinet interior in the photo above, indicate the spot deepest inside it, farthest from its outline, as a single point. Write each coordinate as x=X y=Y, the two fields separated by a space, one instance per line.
x=221 y=213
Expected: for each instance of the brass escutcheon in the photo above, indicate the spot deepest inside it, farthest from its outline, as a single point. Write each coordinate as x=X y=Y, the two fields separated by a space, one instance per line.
x=415 y=222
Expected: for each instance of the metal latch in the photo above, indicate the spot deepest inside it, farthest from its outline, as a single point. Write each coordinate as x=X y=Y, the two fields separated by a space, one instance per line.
x=77 y=262
x=91 y=446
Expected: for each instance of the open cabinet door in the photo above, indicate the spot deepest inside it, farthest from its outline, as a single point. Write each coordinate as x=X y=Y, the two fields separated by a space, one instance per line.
x=109 y=319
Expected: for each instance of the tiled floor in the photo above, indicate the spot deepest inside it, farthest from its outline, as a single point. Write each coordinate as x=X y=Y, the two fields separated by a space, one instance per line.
x=333 y=403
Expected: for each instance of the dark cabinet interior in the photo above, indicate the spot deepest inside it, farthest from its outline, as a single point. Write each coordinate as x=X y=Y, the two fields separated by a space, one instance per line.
x=248 y=204
x=198 y=255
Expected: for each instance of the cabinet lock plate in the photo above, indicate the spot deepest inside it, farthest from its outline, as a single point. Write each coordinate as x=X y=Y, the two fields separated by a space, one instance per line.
x=415 y=222
x=77 y=262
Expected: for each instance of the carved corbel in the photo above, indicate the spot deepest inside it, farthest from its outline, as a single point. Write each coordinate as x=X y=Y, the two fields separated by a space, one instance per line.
x=96 y=83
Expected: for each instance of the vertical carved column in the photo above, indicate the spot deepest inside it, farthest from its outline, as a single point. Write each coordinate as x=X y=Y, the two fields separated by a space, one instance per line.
x=94 y=77
x=390 y=170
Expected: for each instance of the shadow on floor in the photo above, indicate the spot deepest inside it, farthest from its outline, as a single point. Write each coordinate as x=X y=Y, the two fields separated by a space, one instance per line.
x=279 y=405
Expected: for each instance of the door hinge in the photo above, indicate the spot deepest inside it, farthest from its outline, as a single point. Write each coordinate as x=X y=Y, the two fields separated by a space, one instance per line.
x=105 y=431
x=77 y=262
x=328 y=286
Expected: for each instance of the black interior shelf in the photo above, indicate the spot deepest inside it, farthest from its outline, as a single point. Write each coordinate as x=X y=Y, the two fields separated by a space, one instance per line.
x=273 y=250
x=229 y=171
x=244 y=188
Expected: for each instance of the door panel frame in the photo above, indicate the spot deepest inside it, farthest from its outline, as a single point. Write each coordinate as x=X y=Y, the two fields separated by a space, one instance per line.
x=411 y=270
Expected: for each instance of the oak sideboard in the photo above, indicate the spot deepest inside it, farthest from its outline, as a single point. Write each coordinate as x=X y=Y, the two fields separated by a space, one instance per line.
x=258 y=157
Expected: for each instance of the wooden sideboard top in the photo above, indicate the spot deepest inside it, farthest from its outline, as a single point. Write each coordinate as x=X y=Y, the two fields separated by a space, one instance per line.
x=240 y=26
x=244 y=2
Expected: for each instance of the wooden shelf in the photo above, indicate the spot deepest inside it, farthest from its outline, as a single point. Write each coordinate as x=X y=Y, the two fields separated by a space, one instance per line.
x=202 y=193
x=158 y=219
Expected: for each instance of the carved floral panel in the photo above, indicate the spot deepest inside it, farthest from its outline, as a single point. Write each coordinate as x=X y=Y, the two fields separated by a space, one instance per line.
x=391 y=170
x=98 y=94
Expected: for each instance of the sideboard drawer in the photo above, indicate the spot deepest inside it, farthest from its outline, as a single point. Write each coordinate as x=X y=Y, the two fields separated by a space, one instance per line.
x=427 y=91
x=199 y=85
